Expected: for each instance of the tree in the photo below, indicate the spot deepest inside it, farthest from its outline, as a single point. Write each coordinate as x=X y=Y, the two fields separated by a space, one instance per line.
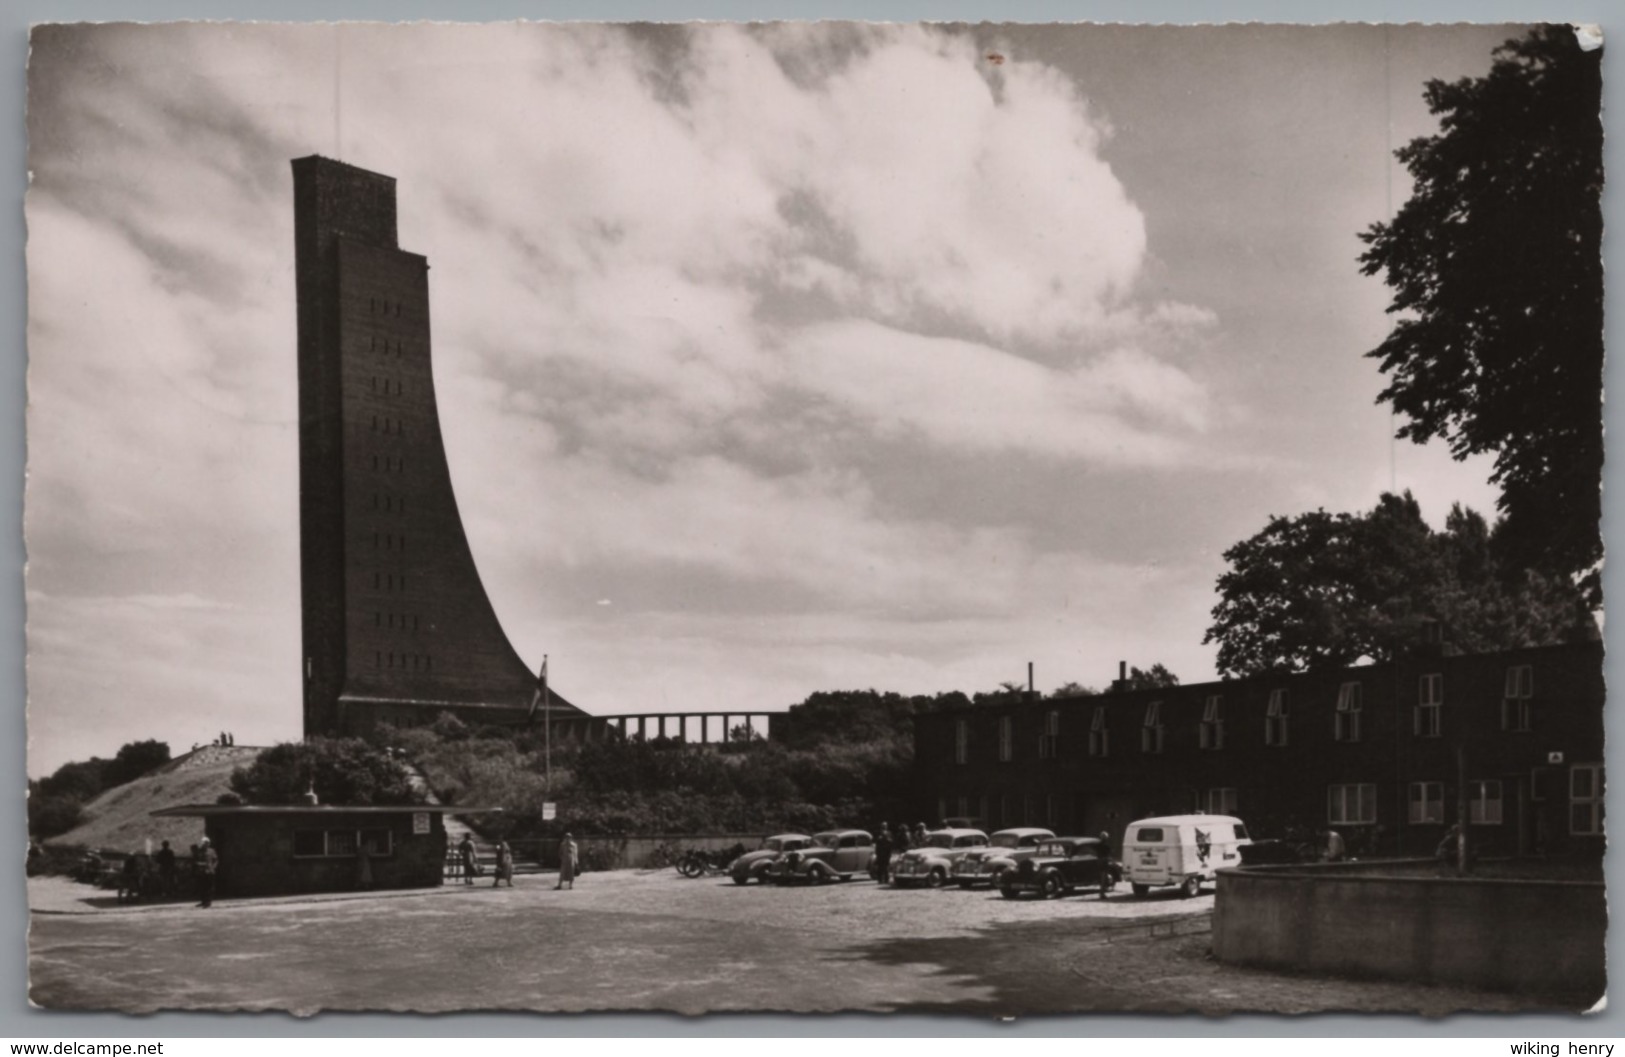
x=1150 y=678
x=136 y=759
x=342 y=771
x=1495 y=263
x=1327 y=590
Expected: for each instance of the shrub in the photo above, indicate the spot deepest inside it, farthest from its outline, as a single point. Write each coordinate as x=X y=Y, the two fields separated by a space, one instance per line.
x=342 y=771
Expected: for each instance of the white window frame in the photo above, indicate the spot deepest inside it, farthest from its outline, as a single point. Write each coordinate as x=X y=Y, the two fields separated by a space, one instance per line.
x=1428 y=718
x=1484 y=802
x=1277 y=719
x=1151 y=731
x=1361 y=796
x=1211 y=730
x=1586 y=813
x=1350 y=706
x=1007 y=738
x=1427 y=808
x=1222 y=801
x=1517 y=711
x=1100 y=742
x=961 y=741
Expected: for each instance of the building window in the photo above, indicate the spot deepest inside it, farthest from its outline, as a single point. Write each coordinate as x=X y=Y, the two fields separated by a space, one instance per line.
x=1426 y=803
x=1349 y=705
x=1275 y=719
x=1221 y=801
x=1151 y=731
x=1006 y=739
x=1585 y=799
x=961 y=740
x=1484 y=802
x=1352 y=805
x=1516 y=710
x=1212 y=728
x=1099 y=736
x=341 y=843
x=1049 y=742
x=1428 y=720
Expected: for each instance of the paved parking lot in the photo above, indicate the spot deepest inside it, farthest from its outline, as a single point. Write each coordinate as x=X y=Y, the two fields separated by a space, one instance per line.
x=654 y=941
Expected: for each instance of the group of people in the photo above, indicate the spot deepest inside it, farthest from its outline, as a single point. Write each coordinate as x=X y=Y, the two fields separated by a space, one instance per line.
x=136 y=879
x=569 y=862
x=890 y=842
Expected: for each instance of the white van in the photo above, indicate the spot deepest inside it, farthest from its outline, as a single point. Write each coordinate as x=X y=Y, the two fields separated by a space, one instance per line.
x=1182 y=850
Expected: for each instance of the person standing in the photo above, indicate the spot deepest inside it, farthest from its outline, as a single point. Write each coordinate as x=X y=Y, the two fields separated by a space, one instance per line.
x=504 y=865
x=207 y=866
x=165 y=858
x=883 y=854
x=1335 y=848
x=363 y=867
x=567 y=863
x=465 y=855
x=901 y=843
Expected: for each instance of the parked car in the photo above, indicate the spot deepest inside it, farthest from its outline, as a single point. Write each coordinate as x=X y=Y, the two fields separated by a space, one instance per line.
x=840 y=854
x=931 y=863
x=1183 y=850
x=1006 y=848
x=753 y=865
x=1061 y=866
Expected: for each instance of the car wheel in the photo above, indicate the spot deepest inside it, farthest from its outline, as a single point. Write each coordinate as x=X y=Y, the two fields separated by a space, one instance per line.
x=1191 y=887
x=936 y=878
x=740 y=879
x=1139 y=889
x=1051 y=887
x=1007 y=892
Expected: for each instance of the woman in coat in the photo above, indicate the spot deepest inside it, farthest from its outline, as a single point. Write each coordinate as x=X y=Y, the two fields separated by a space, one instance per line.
x=504 y=865
x=465 y=852
x=567 y=863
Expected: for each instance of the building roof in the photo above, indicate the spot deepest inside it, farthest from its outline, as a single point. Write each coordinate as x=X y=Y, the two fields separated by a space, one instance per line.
x=215 y=810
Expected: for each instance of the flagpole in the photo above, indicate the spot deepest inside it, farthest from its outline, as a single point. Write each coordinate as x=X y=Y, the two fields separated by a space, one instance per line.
x=547 y=717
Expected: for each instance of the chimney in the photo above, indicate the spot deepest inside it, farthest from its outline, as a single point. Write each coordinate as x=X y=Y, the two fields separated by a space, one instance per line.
x=1120 y=684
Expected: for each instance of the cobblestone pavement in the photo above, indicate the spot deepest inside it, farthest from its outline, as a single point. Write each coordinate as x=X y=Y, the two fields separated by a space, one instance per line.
x=654 y=941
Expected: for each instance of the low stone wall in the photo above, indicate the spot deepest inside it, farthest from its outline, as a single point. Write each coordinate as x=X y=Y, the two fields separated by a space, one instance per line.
x=630 y=851
x=1381 y=919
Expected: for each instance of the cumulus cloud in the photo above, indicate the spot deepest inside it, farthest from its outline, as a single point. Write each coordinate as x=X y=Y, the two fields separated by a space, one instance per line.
x=679 y=275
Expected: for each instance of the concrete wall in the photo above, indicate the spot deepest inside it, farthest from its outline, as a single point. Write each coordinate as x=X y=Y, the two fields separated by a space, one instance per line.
x=1515 y=935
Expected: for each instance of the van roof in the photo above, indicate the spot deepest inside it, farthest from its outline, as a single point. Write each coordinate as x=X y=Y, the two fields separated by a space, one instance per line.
x=1176 y=820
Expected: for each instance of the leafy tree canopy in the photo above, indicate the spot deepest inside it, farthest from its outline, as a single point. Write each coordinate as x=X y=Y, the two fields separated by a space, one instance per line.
x=1496 y=270
x=344 y=771
x=1327 y=590
x=1150 y=678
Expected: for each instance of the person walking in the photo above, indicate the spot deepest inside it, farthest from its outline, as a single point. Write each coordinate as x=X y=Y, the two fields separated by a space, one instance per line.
x=883 y=853
x=207 y=865
x=504 y=865
x=465 y=854
x=567 y=863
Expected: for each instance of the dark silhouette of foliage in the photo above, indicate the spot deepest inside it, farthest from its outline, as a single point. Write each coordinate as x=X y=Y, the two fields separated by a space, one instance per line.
x=50 y=815
x=1150 y=678
x=1327 y=590
x=1495 y=265
x=343 y=770
x=136 y=759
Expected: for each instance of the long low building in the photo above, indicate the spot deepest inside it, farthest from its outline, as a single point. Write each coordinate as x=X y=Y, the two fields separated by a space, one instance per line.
x=1389 y=755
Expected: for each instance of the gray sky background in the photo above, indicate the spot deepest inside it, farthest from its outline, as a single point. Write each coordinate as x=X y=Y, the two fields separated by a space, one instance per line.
x=769 y=360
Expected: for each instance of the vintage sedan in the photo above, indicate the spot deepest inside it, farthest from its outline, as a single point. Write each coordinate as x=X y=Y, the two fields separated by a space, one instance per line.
x=753 y=865
x=1062 y=866
x=1008 y=847
x=931 y=863
x=835 y=855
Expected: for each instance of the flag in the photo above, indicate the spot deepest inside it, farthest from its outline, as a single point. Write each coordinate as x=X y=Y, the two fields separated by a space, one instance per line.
x=541 y=691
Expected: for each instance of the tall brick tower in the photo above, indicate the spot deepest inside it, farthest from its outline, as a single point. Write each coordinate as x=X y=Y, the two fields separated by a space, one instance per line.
x=397 y=625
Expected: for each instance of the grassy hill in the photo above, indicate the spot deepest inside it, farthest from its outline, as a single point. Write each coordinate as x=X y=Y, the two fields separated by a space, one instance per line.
x=120 y=818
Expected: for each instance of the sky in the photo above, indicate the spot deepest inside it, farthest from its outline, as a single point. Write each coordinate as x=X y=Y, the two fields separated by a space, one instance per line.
x=769 y=359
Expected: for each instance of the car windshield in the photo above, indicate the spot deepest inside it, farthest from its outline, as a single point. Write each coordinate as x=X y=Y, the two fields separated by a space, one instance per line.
x=1241 y=832
x=1007 y=840
x=772 y=844
x=826 y=840
x=939 y=840
x=1057 y=850
x=975 y=840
